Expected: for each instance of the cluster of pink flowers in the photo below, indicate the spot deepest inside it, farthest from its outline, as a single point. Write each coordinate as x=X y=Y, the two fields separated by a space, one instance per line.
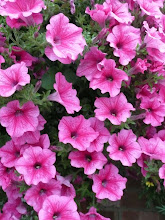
x=93 y=143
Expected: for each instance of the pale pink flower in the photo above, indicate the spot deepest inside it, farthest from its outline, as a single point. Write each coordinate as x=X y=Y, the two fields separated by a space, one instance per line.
x=65 y=95
x=13 y=78
x=36 y=165
x=76 y=131
x=116 y=109
x=92 y=64
x=155 y=111
x=154 y=148
x=119 y=11
x=103 y=137
x=92 y=215
x=19 y=8
x=61 y=207
x=124 y=39
x=110 y=79
x=124 y=147
x=19 y=55
x=108 y=183
x=89 y=161
x=162 y=173
x=65 y=38
x=10 y=153
x=18 y=120
x=36 y=195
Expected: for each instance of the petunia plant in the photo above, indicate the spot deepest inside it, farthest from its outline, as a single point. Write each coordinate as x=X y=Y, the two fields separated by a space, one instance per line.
x=82 y=105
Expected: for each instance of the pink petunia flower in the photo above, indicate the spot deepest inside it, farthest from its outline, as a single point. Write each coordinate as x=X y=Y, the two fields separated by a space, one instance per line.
x=19 y=55
x=61 y=207
x=124 y=147
x=76 y=131
x=124 y=39
x=10 y=153
x=154 y=148
x=36 y=165
x=36 y=195
x=65 y=38
x=155 y=111
x=19 y=8
x=89 y=161
x=110 y=79
x=162 y=173
x=18 y=120
x=108 y=183
x=141 y=161
x=29 y=137
x=116 y=109
x=92 y=215
x=13 y=78
x=92 y=64
x=65 y=95
x=103 y=137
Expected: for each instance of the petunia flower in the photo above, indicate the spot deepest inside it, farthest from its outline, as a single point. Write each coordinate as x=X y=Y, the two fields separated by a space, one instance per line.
x=162 y=173
x=65 y=95
x=76 y=131
x=18 y=120
x=124 y=147
x=61 y=207
x=92 y=215
x=36 y=165
x=116 y=109
x=13 y=78
x=108 y=183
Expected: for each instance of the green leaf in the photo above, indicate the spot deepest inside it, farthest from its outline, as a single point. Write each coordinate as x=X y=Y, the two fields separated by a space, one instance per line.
x=48 y=79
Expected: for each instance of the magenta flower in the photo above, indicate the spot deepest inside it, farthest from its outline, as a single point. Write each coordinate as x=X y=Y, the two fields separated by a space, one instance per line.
x=10 y=153
x=103 y=137
x=19 y=55
x=124 y=39
x=18 y=8
x=36 y=195
x=59 y=207
x=108 y=183
x=65 y=38
x=13 y=78
x=65 y=95
x=110 y=79
x=89 y=161
x=18 y=120
x=92 y=64
x=76 y=131
x=124 y=147
x=116 y=109
x=154 y=148
x=141 y=161
x=155 y=111
x=162 y=173
x=92 y=215
x=36 y=165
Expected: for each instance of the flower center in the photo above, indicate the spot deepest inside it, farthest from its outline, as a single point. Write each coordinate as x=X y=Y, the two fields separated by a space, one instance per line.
x=18 y=57
x=73 y=135
x=37 y=166
x=88 y=158
x=18 y=113
x=113 y=112
x=57 y=40
x=42 y=191
x=121 y=148
x=110 y=78
x=104 y=183
x=119 y=45
x=17 y=154
x=56 y=215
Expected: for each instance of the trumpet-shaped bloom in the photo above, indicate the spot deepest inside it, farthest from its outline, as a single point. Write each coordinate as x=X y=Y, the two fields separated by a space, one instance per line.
x=89 y=161
x=92 y=215
x=36 y=195
x=108 y=183
x=20 y=8
x=76 y=131
x=18 y=120
x=124 y=39
x=59 y=207
x=103 y=137
x=110 y=79
x=92 y=64
x=36 y=165
x=65 y=38
x=124 y=147
x=116 y=109
x=13 y=78
x=65 y=95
